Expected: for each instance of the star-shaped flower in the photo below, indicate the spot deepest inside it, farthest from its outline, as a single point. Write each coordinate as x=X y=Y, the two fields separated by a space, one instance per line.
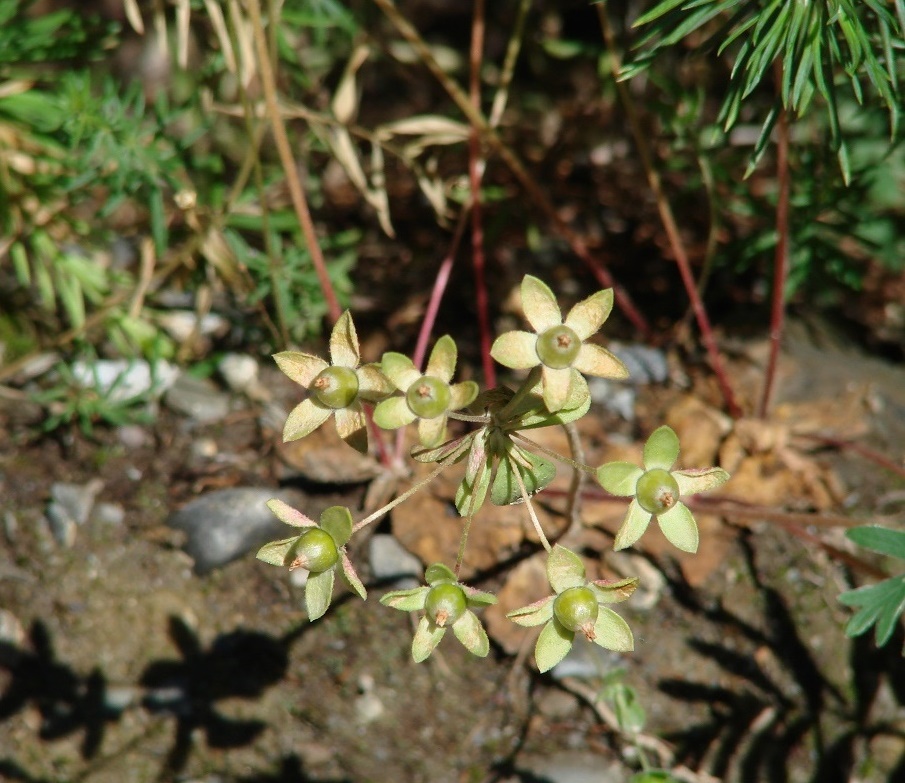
x=446 y=604
x=318 y=550
x=337 y=387
x=577 y=605
x=656 y=491
x=558 y=345
x=428 y=397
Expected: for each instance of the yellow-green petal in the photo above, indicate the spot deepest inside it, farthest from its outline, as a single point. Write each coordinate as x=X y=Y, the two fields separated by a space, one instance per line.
x=556 y=387
x=679 y=527
x=373 y=385
x=300 y=367
x=540 y=305
x=352 y=427
x=612 y=632
x=432 y=432
x=344 y=343
x=552 y=646
x=588 y=316
x=399 y=369
x=596 y=360
x=693 y=481
x=304 y=419
x=619 y=478
x=661 y=449
x=633 y=526
x=517 y=350
x=442 y=361
x=393 y=413
x=462 y=394
x=427 y=636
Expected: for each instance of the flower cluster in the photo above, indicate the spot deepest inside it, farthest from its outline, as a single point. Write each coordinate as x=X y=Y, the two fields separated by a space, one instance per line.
x=499 y=462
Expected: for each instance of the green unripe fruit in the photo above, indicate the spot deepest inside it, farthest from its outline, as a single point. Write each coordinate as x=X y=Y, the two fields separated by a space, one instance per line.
x=445 y=604
x=557 y=347
x=428 y=397
x=315 y=551
x=577 y=610
x=657 y=491
x=335 y=387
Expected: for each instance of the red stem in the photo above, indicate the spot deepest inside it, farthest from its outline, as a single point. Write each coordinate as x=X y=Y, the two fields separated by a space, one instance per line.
x=781 y=259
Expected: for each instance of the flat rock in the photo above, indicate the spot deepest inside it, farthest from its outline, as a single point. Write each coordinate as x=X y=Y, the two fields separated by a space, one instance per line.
x=227 y=524
x=198 y=398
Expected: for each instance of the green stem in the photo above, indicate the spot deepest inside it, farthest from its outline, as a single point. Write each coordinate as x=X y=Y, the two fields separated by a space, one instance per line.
x=514 y=466
x=572 y=463
x=404 y=496
x=523 y=391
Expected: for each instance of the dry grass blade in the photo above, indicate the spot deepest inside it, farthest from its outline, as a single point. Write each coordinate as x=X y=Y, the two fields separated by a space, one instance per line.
x=218 y=22
x=183 y=18
x=133 y=16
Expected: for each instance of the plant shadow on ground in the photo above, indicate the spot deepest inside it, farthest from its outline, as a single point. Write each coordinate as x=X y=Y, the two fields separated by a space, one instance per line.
x=239 y=664
x=765 y=728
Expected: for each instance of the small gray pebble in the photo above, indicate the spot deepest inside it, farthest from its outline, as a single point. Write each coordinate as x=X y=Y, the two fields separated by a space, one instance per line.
x=227 y=524
x=198 y=398
x=76 y=499
x=390 y=560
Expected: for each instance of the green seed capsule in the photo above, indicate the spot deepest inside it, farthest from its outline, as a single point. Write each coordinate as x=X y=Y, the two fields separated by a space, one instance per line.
x=315 y=551
x=557 y=347
x=657 y=491
x=577 y=609
x=445 y=604
x=335 y=387
x=428 y=397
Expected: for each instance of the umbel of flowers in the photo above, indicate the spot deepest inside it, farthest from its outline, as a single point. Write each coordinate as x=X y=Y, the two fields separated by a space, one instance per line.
x=497 y=462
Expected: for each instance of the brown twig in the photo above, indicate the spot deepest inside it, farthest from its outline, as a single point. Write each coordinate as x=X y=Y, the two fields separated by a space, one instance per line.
x=475 y=164
x=493 y=140
x=296 y=192
x=668 y=220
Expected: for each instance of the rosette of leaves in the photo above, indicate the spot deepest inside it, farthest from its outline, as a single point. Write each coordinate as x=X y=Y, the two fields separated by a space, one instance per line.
x=335 y=388
x=319 y=549
x=427 y=397
x=577 y=606
x=559 y=346
x=655 y=490
x=446 y=603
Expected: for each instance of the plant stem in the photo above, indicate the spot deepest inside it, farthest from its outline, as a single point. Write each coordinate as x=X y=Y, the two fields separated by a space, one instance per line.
x=514 y=467
x=527 y=385
x=403 y=497
x=781 y=259
x=296 y=192
x=668 y=220
x=492 y=138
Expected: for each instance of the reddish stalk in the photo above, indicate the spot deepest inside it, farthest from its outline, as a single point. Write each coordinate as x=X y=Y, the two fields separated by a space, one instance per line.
x=492 y=138
x=869 y=454
x=669 y=222
x=781 y=259
x=474 y=178
x=433 y=306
